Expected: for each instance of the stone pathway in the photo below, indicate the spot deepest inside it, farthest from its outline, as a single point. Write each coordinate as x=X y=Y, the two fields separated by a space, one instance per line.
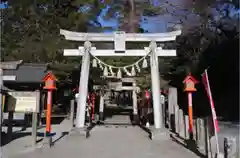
x=22 y=140
x=112 y=142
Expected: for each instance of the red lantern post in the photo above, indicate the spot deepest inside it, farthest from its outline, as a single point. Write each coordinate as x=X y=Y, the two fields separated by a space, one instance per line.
x=50 y=85
x=189 y=83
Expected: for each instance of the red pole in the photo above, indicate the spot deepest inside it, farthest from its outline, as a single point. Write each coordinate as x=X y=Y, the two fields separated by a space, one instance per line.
x=190 y=112
x=93 y=105
x=49 y=111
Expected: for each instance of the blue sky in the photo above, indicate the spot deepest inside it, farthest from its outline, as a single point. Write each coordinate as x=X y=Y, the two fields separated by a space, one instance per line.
x=151 y=24
x=3 y=5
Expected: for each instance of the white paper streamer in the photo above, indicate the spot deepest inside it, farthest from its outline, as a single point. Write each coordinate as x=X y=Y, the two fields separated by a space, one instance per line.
x=138 y=68
x=105 y=72
x=133 y=72
x=145 y=64
x=100 y=65
x=94 y=63
x=126 y=71
x=119 y=73
x=111 y=71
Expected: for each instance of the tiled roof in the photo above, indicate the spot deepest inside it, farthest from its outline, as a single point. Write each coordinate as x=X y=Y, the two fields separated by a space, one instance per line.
x=27 y=72
x=10 y=64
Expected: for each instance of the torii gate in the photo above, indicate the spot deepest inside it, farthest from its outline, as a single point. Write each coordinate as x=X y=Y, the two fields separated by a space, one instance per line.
x=119 y=39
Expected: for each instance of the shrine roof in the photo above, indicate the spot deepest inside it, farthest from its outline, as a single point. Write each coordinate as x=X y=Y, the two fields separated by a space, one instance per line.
x=27 y=72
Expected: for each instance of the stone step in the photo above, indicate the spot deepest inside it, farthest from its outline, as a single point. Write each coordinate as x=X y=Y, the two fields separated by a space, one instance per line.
x=118 y=119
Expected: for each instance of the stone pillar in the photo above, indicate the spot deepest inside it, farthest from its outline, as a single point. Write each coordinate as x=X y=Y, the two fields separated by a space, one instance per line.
x=158 y=122
x=201 y=134
x=71 y=115
x=194 y=131
x=238 y=146
x=186 y=123
x=135 y=107
x=172 y=102
x=176 y=109
x=83 y=86
x=181 y=123
x=101 y=108
x=208 y=152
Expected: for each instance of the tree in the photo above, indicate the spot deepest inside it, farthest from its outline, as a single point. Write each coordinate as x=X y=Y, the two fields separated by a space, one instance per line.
x=211 y=27
x=30 y=30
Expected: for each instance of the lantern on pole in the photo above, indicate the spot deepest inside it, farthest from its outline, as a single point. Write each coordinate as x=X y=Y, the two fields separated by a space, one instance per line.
x=50 y=85
x=189 y=87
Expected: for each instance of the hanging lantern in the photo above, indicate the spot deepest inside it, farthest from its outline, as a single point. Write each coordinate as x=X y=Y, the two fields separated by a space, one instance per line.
x=119 y=73
x=94 y=63
x=144 y=65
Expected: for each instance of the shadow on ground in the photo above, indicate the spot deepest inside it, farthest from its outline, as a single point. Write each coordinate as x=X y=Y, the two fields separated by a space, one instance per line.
x=11 y=135
x=188 y=144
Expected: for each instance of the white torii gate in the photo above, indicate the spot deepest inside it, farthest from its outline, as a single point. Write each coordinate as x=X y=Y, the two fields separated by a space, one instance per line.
x=119 y=39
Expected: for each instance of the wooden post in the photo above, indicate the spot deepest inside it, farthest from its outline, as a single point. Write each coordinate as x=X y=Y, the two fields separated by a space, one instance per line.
x=34 y=129
x=34 y=119
x=10 y=123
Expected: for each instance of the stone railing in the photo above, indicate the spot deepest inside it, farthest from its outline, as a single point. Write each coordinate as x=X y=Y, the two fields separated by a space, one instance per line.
x=203 y=140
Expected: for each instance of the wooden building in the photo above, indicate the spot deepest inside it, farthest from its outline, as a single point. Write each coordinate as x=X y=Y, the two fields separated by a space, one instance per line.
x=20 y=76
x=23 y=76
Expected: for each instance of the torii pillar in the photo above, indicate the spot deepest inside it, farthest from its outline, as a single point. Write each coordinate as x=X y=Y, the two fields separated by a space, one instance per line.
x=119 y=39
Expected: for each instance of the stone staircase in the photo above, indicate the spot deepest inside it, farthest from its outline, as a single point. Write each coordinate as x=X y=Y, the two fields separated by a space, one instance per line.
x=115 y=114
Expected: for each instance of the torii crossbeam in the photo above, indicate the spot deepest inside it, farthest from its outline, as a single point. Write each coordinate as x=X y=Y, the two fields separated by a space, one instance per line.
x=119 y=39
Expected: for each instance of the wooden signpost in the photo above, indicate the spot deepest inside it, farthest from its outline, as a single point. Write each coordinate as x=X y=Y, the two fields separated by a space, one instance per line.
x=23 y=102
x=189 y=87
x=50 y=85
